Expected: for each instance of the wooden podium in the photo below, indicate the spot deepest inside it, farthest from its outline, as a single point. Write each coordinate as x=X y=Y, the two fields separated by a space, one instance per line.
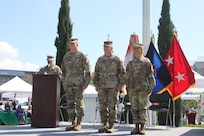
x=45 y=101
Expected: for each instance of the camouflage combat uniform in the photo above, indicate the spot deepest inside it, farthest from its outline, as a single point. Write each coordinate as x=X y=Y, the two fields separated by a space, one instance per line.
x=50 y=70
x=108 y=75
x=76 y=73
x=140 y=82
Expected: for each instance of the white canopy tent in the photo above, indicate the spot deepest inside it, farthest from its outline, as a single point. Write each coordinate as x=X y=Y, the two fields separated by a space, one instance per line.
x=194 y=92
x=199 y=80
x=195 y=97
x=16 y=87
x=90 y=91
x=90 y=99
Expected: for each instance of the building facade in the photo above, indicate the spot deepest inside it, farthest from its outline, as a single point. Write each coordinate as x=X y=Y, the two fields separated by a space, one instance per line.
x=6 y=75
x=198 y=65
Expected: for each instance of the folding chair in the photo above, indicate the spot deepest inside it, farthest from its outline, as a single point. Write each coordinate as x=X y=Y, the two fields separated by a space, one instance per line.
x=62 y=105
x=161 y=103
x=121 y=110
x=97 y=108
x=125 y=113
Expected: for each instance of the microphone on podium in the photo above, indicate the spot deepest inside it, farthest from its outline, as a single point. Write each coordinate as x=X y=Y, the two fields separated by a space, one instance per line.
x=36 y=72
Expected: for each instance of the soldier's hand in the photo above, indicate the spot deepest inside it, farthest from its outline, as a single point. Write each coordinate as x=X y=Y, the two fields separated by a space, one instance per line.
x=84 y=87
x=118 y=88
x=96 y=88
x=64 y=87
x=148 y=92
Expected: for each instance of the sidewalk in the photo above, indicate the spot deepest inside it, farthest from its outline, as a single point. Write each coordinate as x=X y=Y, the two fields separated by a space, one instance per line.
x=89 y=130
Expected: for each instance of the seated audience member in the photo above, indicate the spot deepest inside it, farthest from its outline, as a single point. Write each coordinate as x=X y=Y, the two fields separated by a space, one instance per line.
x=1 y=106
x=7 y=106
x=20 y=114
x=29 y=111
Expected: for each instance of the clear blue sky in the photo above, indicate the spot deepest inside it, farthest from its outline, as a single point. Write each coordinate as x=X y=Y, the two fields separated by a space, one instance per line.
x=28 y=28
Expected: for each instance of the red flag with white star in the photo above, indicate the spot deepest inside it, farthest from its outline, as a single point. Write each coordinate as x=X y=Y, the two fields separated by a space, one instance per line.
x=179 y=69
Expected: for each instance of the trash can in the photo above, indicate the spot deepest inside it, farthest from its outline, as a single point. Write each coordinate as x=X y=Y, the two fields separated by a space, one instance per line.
x=191 y=118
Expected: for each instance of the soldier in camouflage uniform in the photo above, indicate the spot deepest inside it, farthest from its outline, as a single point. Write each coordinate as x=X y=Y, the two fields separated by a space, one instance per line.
x=51 y=68
x=76 y=77
x=108 y=79
x=140 y=82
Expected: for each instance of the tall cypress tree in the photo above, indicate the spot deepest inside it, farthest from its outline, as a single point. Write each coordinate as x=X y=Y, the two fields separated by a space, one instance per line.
x=166 y=28
x=64 y=31
x=165 y=38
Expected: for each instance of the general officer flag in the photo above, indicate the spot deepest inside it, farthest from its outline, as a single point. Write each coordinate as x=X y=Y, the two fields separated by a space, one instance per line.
x=179 y=69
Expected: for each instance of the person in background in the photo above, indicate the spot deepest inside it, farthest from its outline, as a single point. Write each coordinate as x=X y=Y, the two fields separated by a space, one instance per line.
x=14 y=105
x=76 y=77
x=20 y=114
x=108 y=79
x=7 y=106
x=50 y=68
x=29 y=111
x=1 y=106
x=140 y=82
x=29 y=101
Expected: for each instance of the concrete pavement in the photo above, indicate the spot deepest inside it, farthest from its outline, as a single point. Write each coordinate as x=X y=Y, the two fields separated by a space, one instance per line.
x=88 y=129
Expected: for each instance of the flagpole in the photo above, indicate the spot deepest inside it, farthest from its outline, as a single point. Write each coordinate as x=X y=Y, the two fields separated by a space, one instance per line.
x=146 y=21
x=146 y=24
x=174 y=113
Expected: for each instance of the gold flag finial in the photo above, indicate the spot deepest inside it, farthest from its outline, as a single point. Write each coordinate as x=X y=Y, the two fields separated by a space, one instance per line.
x=152 y=37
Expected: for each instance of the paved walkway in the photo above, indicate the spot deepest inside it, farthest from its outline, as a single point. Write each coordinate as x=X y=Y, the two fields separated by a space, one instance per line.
x=89 y=130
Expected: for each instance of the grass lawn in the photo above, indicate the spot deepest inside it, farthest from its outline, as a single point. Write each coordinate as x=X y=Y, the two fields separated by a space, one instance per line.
x=4 y=126
x=192 y=125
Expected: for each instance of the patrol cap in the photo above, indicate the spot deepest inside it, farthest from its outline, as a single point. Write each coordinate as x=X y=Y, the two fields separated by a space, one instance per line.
x=73 y=40
x=108 y=43
x=50 y=57
x=138 y=45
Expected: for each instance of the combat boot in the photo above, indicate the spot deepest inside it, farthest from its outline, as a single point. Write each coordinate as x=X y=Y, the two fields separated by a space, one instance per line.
x=110 y=128
x=71 y=127
x=78 y=125
x=135 y=130
x=142 y=129
x=103 y=128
